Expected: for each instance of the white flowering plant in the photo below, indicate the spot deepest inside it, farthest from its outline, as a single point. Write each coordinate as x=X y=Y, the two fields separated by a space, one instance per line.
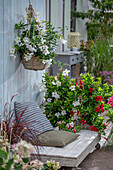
x=36 y=38
x=61 y=99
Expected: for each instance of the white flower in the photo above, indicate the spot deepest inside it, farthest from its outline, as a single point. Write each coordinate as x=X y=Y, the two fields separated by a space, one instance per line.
x=53 y=83
x=21 y=44
x=72 y=88
x=70 y=124
x=57 y=114
x=55 y=94
x=17 y=40
x=63 y=112
x=26 y=40
x=49 y=62
x=74 y=110
x=27 y=57
x=43 y=41
x=44 y=61
x=65 y=72
x=76 y=103
x=45 y=47
x=63 y=41
x=49 y=100
x=58 y=83
x=12 y=50
x=41 y=48
x=46 y=52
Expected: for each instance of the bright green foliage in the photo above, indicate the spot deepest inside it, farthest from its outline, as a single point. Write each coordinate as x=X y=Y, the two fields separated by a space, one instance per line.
x=98 y=18
x=86 y=101
x=64 y=102
x=99 y=57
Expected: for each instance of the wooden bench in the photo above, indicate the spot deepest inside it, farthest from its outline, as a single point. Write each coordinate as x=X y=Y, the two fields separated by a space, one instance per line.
x=74 y=153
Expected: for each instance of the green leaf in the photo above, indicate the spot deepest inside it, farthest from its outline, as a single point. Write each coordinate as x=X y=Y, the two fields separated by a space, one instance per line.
x=10 y=162
x=25 y=160
x=3 y=154
x=1 y=161
x=1 y=168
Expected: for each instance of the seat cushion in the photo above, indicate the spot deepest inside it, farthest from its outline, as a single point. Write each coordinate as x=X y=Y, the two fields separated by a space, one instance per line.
x=57 y=138
x=32 y=117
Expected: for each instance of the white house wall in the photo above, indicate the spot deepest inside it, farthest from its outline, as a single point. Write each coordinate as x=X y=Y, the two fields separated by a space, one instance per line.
x=83 y=6
x=13 y=77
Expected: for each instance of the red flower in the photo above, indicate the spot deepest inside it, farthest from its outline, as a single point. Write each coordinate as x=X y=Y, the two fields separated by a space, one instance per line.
x=94 y=129
x=71 y=113
x=79 y=97
x=104 y=125
x=98 y=98
x=77 y=113
x=74 y=131
x=101 y=106
x=81 y=86
x=102 y=110
x=97 y=109
x=81 y=82
x=69 y=126
x=83 y=121
x=105 y=138
x=90 y=90
x=76 y=84
x=85 y=113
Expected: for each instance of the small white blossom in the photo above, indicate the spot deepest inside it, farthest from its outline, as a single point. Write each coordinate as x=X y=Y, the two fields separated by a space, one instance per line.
x=41 y=48
x=45 y=47
x=63 y=41
x=12 y=50
x=46 y=52
x=57 y=114
x=44 y=61
x=63 y=112
x=58 y=83
x=65 y=72
x=26 y=40
x=43 y=41
x=55 y=94
x=17 y=40
x=72 y=88
x=49 y=100
x=27 y=57
x=76 y=103
x=53 y=83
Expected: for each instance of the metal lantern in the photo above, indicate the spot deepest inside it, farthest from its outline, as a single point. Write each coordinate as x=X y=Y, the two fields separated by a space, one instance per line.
x=73 y=40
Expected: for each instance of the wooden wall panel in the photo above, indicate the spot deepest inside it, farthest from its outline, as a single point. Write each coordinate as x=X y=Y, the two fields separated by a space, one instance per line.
x=13 y=77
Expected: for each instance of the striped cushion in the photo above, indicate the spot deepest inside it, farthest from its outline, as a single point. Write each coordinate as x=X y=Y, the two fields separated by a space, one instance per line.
x=32 y=117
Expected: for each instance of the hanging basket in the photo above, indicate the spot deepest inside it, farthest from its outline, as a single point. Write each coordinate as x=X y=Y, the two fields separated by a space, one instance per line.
x=33 y=64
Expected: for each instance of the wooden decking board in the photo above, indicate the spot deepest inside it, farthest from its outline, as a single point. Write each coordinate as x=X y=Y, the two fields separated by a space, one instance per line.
x=74 y=153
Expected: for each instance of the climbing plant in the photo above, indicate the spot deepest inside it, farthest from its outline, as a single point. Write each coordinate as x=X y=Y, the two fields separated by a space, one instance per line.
x=101 y=16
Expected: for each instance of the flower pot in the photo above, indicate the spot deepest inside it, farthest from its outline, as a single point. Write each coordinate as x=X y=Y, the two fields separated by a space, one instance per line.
x=33 y=64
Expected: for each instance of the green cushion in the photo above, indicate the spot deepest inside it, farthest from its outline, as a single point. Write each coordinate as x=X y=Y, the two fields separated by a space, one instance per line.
x=57 y=138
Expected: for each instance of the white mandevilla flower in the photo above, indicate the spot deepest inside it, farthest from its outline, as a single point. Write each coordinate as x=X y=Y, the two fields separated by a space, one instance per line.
x=49 y=100
x=43 y=41
x=45 y=47
x=53 y=83
x=27 y=57
x=17 y=40
x=72 y=88
x=58 y=83
x=41 y=48
x=55 y=94
x=49 y=62
x=76 y=103
x=63 y=41
x=12 y=50
x=26 y=40
x=57 y=114
x=65 y=72
x=63 y=112
x=44 y=61
x=46 y=52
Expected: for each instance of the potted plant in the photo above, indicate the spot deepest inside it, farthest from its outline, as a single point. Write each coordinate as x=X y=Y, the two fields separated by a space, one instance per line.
x=36 y=41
